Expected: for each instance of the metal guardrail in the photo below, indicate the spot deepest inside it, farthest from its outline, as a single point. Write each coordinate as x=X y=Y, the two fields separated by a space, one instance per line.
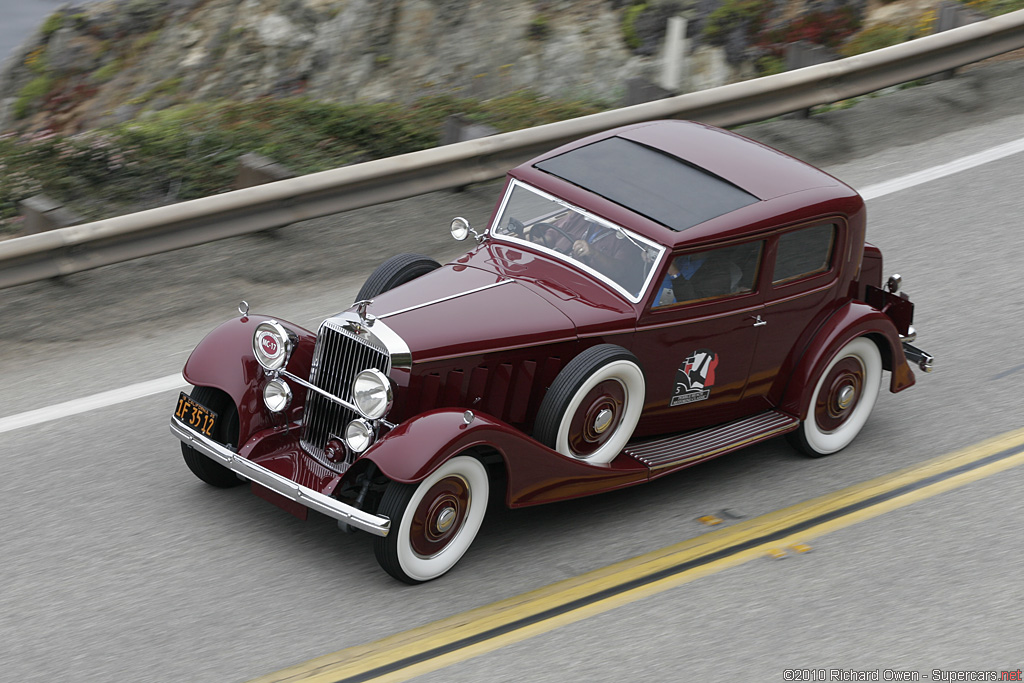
x=91 y=245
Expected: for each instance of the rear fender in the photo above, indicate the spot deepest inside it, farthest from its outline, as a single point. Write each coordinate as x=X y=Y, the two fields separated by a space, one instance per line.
x=853 y=320
x=224 y=360
x=536 y=474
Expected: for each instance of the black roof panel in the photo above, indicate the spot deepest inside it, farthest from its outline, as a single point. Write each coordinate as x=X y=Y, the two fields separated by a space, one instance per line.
x=651 y=183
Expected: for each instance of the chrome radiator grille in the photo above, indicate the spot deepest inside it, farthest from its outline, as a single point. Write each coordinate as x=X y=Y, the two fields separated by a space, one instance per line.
x=339 y=356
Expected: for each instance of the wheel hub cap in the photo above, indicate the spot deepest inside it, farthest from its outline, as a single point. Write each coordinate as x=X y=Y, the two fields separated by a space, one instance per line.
x=845 y=397
x=445 y=519
x=597 y=417
x=439 y=515
x=839 y=395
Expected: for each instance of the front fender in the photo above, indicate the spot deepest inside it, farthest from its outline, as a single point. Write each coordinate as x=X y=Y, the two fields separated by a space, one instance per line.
x=224 y=360
x=853 y=320
x=536 y=474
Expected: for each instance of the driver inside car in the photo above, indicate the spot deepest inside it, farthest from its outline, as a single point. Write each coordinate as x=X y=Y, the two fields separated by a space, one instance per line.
x=602 y=248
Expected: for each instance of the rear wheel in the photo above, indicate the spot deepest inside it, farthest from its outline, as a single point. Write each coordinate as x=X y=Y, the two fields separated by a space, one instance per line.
x=213 y=473
x=842 y=400
x=396 y=271
x=434 y=522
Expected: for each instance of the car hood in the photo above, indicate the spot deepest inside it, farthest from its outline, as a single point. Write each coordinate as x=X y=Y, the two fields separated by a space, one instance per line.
x=461 y=310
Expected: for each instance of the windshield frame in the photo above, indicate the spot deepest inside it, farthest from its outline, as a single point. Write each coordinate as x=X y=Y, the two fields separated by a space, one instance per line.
x=565 y=258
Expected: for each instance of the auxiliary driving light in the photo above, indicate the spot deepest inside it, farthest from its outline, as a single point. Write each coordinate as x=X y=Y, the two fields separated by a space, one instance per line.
x=277 y=395
x=359 y=435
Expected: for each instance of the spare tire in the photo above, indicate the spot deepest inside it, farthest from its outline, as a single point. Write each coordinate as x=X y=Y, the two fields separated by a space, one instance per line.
x=593 y=406
x=396 y=271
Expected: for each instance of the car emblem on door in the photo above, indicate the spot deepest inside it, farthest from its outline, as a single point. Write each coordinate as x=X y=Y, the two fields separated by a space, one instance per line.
x=695 y=377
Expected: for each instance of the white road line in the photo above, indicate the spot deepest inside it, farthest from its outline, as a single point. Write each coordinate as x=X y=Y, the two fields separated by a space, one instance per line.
x=101 y=400
x=172 y=382
x=942 y=170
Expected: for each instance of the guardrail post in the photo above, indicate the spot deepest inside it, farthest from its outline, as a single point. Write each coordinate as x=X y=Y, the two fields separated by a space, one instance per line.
x=674 y=60
x=256 y=169
x=457 y=128
x=953 y=15
x=43 y=213
x=805 y=53
x=639 y=91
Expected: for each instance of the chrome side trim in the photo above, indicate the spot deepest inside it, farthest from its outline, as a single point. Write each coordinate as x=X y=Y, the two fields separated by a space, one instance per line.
x=314 y=500
x=444 y=298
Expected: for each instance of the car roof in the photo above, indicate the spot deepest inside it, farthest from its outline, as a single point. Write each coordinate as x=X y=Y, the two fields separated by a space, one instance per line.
x=681 y=182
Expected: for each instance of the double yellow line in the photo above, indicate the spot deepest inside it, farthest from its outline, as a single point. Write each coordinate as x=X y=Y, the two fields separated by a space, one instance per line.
x=467 y=635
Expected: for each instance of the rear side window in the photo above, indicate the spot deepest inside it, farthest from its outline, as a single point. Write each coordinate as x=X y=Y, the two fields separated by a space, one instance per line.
x=805 y=252
x=712 y=274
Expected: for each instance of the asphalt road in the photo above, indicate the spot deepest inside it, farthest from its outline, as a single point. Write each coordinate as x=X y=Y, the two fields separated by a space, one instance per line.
x=118 y=565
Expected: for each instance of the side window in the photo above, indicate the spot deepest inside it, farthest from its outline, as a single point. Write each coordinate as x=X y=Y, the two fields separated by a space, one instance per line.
x=804 y=252
x=711 y=274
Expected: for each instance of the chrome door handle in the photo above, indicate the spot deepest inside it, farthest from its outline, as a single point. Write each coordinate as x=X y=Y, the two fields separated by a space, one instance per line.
x=758 y=322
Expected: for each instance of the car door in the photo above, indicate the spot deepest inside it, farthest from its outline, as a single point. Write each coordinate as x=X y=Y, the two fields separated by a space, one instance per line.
x=697 y=337
x=801 y=282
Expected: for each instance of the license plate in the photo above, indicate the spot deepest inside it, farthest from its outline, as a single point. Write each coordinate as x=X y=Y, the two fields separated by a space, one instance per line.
x=196 y=416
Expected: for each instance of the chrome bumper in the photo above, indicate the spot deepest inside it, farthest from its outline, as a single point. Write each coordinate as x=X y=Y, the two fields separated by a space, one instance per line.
x=917 y=356
x=281 y=485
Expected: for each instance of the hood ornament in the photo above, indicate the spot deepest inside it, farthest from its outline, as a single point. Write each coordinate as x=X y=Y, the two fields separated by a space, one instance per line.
x=365 y=317
x=243 y=308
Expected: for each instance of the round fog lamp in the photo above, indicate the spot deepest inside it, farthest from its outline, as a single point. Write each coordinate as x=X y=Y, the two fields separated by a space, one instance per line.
x=371 y=392
x=359 y=435
x=277 y=395
x=270 y=344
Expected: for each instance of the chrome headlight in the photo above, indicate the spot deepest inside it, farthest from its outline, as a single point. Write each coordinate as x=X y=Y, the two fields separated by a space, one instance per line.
x=277 y=395
x=271 y=345
x=359 y=435
x=371 y=392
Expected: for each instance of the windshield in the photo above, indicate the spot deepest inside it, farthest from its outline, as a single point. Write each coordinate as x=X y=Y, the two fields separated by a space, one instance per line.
x=615 y=255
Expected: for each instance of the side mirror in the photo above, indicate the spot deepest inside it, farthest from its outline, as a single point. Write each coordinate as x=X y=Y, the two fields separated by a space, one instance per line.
x=460 y=228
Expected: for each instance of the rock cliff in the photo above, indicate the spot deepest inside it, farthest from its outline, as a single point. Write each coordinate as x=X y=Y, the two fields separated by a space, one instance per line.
x=105 y=62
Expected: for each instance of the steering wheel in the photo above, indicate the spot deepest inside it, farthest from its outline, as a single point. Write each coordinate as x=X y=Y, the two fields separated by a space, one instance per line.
x=563 y=233
x=515 y=227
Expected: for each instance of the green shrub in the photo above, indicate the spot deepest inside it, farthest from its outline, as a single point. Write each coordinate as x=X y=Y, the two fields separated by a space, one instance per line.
x=107 y=72
x=32 y=91
x=874 y=38
x=629 y=17
x=539 y=28
x=769 y=65
x=52 y=24
x=733 y=14
x=191 y=150
x=994 y=8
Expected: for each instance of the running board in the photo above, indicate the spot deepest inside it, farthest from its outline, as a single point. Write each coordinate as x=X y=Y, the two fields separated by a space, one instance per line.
x=679 y=449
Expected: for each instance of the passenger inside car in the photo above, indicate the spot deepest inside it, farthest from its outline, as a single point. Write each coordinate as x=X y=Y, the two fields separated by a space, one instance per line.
x=710 y=274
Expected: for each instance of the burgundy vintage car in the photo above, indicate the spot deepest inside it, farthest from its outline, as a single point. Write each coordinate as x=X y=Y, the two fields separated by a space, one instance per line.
x=643 y=299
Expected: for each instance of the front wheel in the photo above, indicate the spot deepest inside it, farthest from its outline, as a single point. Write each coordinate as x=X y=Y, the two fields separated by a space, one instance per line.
x=434 y=522
x=226 y=432
x=842 y=400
